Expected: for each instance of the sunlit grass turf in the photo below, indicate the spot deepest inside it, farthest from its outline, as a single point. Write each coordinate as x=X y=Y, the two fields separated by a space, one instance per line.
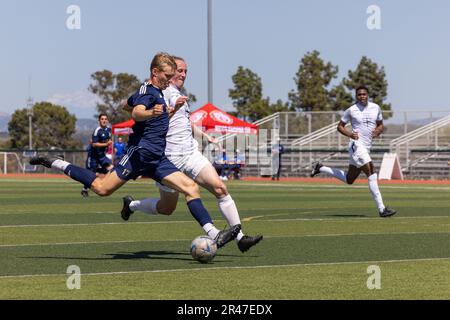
x=319 y=241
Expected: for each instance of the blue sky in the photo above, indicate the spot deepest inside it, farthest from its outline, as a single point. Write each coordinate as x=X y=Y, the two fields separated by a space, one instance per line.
x=267 y=36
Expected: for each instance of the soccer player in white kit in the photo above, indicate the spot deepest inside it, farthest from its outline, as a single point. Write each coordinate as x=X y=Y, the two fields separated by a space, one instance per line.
x=367 y=123
x=182 y=151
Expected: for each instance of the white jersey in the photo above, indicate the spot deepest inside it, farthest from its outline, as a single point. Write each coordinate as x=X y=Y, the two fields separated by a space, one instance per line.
x=363 y=120
x=179 y=139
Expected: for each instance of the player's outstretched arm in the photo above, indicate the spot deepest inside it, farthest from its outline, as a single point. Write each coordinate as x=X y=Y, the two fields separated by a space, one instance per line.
x=175 y=105
x=140 y=113
x=198 y=132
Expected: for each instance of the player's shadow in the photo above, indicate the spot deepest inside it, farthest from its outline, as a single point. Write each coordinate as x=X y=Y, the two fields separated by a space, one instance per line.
x=148 y=255
x=153 y=255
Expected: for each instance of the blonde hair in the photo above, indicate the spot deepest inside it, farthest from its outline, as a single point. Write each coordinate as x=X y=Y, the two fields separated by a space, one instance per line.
x=161 y=59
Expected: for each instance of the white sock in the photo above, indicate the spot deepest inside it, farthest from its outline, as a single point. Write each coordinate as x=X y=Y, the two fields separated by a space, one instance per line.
x=339 y=174
x=376 y=194
x=211 y=230
x=147 y=205
x=60 y=164
x=229 y=211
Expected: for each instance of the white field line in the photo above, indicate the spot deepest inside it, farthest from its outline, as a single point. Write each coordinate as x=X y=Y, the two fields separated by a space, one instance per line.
x=265 y=237
x=333 y=186
x=247 y=219
x=246 y=184
x=234 y=268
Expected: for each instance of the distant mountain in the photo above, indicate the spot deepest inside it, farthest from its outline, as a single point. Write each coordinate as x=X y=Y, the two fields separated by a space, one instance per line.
x=86 y=124
x=4 y=119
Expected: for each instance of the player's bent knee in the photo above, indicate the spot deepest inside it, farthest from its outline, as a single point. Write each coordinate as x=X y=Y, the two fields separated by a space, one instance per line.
x=220 y=191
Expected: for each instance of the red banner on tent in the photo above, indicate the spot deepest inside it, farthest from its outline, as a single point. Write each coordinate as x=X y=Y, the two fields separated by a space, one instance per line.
x=212 y=119
x=123 y=127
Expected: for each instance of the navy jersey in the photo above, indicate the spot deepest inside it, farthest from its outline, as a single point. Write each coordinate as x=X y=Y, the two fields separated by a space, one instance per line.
x=100 y=135
x=150 y=134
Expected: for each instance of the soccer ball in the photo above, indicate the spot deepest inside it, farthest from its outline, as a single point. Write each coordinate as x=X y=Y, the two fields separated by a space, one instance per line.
x=203 y=249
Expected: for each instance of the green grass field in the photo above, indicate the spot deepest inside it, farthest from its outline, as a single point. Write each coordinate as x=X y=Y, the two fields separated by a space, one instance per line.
x=319 y=240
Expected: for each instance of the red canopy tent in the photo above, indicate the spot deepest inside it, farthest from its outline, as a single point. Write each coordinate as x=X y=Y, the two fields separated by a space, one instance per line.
x=212 y=119
x=123 y=127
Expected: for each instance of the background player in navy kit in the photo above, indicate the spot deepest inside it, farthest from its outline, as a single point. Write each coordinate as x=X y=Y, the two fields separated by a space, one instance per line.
x=145 y=154
x=97 y=161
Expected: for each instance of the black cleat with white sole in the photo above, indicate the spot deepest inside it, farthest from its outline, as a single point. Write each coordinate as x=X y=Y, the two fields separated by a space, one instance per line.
x=225 y=236
x=316 y=169
x=45 y=161
x=387 y=212
x=126 y=211
x=247 y=242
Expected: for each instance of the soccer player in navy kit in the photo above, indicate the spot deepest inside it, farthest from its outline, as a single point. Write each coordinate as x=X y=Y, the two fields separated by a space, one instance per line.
x=182 y=151
x=145 y=154
x=97 y=161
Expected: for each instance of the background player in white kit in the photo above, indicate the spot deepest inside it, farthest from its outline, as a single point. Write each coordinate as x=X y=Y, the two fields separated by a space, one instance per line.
x=182 y=151
x=367 y=123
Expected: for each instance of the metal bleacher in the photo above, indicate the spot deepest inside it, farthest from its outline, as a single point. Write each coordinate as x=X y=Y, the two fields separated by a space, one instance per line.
x=424 y=153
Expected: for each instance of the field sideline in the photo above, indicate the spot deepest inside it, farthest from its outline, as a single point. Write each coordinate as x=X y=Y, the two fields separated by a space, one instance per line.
x=319 y=240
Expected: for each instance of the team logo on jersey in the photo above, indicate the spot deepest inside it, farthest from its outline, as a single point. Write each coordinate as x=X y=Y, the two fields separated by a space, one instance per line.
x=125 y=172
x=198 y=116
x=221 y=117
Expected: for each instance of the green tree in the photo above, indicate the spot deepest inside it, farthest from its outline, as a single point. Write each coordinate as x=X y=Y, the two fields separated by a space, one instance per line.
x=52 y=126
x=247 y=95
x=374 y=78
x=312 y=79
x=113 y=89
x=341 y=98
x=278 y=106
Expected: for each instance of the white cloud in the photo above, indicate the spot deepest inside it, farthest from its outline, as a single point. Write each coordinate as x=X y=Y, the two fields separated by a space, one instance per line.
x=79 y=99
x=82 y=102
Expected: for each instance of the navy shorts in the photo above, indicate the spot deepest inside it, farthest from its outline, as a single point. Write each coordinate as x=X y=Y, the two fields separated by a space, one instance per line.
x=98 y=164
x=138 y=162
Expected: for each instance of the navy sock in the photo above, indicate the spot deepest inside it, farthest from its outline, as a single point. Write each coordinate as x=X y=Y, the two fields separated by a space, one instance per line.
x=199 y=212
x=82 y=175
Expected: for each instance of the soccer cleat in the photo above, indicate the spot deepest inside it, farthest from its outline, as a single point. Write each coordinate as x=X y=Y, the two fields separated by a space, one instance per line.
x=316 y=169
x=126 y=211
x=387 y=212
x=85 y=193
x=225 y=236
x=247 y=242
x=45 y=161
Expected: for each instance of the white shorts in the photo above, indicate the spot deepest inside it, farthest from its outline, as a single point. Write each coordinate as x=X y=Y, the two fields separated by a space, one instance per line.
x=190 y=165
x=359 y=154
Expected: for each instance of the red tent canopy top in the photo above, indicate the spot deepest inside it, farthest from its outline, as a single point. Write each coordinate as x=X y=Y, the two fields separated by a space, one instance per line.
x=208 y=117
x=212 y=119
